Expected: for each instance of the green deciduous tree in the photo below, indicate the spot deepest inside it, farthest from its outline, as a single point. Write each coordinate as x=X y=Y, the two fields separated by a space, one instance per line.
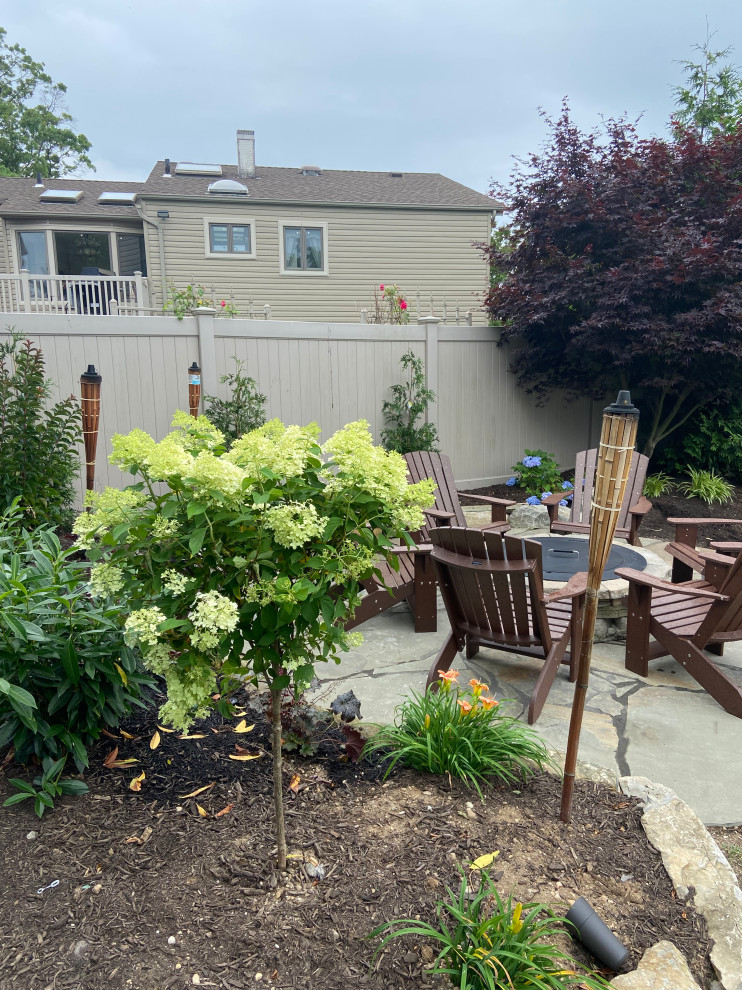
x=36 y=132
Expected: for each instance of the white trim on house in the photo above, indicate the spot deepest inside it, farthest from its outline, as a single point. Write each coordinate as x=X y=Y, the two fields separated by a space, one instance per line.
x=236 y=221
x=304 y=272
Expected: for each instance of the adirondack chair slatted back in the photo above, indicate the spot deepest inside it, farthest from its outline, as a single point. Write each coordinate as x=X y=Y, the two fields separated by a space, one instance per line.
x=491 y=585
x=424 y=464
x=725 y=618
x=585 y=468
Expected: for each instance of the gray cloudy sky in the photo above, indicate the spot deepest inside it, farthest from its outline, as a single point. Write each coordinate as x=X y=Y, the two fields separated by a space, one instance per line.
x=412 y=85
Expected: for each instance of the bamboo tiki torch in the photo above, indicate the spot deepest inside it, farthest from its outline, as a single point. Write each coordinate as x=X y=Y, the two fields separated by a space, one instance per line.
x=194 y=388
x=90 y=382
x=617 y=440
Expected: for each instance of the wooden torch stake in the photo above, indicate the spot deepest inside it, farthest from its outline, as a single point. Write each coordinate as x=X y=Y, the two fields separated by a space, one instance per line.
x=617 y=441
x=194 y=389
x=90 y=382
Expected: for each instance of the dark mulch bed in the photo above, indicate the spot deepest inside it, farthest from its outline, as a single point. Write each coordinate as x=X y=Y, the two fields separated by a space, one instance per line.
x=137 y=868
x=655 y=525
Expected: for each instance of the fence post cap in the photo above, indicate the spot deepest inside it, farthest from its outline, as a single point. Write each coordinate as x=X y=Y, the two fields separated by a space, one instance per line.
x=428 y=319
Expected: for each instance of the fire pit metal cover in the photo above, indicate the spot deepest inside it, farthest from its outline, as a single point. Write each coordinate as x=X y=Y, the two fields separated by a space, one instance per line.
x=564 y=556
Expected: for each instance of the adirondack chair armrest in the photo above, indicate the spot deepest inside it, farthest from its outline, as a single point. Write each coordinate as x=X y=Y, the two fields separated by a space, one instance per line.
x=490 y=499
x=641 y=507
x=697 y=559
x=725 y=547
x=437 y=515
x=497 y=505
x=425 y=548
x=557 y=497
x=639 y=577
x=689 y=526
x=576 y=586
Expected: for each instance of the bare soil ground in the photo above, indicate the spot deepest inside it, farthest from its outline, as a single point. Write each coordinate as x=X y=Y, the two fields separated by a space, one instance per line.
x=159 y=891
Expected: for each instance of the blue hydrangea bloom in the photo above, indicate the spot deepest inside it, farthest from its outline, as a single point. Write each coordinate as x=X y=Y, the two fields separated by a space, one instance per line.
x=564 y=502
x=510 y=482
x=533 y=500
x=566 y=485
x=531 y=461
x=545 y=495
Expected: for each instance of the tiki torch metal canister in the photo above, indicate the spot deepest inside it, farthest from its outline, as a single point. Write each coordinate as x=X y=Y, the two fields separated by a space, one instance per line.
x=194 y=388
x=90 y=382
x=617 y=441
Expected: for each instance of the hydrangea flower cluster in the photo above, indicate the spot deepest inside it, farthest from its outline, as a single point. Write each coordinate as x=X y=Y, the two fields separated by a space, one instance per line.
x=212 y=615
x=105 y=580
x=142 y=626
x=294 y=523
x=174 y=582
x=533 y=500
x=110 y=508
x=378 y=472
x=532 y=461
x=284 y=450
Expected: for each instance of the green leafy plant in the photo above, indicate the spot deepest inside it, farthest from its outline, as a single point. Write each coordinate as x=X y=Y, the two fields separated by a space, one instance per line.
x=389 y=306
x=243 y=411
x=657 y=484
x=247 y=562
x=46 y=787
x=61 y=651
x=410 y=402
x=183 y=302
x=462 y=733
x=537 y=472
x=713 y=442
x=707 y=485
x=39 y=458
x=491 y=943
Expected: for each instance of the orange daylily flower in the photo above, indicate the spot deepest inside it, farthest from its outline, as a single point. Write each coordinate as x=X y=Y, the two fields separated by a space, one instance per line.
x=478 y=687
x=488 y=703
x=466 y=708
x=448 y=677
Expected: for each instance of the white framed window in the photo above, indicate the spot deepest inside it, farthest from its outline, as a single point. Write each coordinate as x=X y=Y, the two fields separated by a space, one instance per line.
x=229 y=237
x=303 y=247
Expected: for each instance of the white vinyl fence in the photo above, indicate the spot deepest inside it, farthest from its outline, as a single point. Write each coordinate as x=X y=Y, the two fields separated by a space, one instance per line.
x=327 y=373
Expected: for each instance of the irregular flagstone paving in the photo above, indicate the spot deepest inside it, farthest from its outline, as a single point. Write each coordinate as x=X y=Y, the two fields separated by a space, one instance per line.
x=665 y=727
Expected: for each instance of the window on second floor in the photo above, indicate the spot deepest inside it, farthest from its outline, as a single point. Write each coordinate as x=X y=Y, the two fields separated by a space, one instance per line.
x=225 y=237
x=304 y=249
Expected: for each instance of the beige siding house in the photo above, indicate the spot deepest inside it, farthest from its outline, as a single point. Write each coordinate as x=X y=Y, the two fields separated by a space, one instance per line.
x=309 y=243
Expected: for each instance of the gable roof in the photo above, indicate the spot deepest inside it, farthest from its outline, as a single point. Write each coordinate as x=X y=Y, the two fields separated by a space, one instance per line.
x=19 y=196
x=332 y=186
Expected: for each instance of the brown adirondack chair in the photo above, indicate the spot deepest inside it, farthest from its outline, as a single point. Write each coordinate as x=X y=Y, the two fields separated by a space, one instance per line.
x=635 y=505
x=423 y=464
x=493 y=591
x=688 y=619
x=414 y=582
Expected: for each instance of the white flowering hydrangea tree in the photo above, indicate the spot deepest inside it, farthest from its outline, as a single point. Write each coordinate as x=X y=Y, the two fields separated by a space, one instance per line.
x=247 y=560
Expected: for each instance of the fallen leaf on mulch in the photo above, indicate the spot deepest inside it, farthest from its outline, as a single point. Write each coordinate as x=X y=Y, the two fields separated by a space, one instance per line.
x=202 y=811
x=294 y=785
x=196 y=735
x=198 y=791
x=135 y=784
x=112 y=760
x=224 y=811
x=243 y=727
x=154 y=741
x=163 y=729
x=244 y=756
x=128 y=735
x=481 y=862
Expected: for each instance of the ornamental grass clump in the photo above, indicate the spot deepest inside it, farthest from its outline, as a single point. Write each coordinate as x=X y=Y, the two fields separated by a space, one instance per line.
x=462 y=733
x=491 y=943
x=248 y=564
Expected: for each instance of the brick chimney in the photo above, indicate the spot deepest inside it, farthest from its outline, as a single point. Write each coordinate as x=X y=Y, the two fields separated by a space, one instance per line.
x=246 y=154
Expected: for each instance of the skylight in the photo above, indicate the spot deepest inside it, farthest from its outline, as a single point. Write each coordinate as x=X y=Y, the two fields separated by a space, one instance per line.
x=197 y=168
x=228 y=187
x=121 y=198
x=60 y=195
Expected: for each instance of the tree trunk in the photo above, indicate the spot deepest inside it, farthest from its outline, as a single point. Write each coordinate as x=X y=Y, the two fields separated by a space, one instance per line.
x=278 y=778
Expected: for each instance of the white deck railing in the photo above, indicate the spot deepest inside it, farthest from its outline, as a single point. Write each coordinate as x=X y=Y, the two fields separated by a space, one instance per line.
x=99 y=295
